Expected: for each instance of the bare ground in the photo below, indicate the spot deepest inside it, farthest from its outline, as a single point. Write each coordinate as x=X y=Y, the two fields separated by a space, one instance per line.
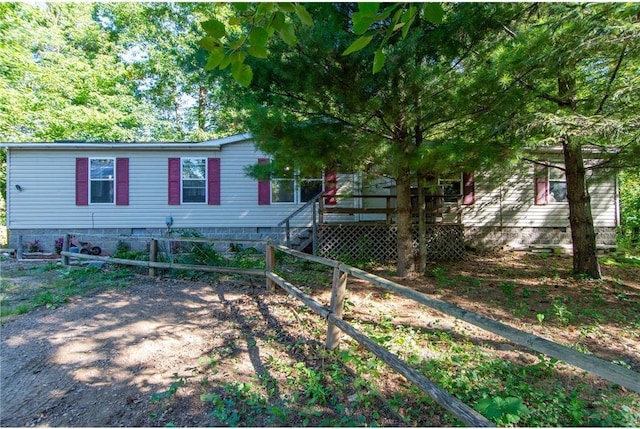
x=105 y=359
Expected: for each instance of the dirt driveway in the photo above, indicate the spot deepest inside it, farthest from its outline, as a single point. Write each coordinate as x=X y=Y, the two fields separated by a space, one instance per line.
x=98 y=360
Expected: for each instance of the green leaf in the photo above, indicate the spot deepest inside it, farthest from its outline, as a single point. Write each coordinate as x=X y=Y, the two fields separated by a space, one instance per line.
x=369 y=7
x=214 y=28
x=362 y=22
x=240 y=7
x=258 y=51
x=286 y=7
x=304 y=16
x=215 y=58
x=258 y=37
x=407 y=26
x=287 y=34
x=378 y=61
x=208 y=43
x=278 y=21
x=238 y=57
x=242 y=73
x=360 y=43
x=433 y=12
x=226 y=60
x=264 y=8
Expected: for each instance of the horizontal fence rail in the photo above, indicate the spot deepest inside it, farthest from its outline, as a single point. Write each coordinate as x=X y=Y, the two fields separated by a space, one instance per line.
x=607 y=370
x=152 y=263
x=167 y=265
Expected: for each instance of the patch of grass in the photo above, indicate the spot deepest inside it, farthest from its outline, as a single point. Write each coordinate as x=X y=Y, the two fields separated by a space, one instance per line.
x=621 y=261
x=55 y=286
x=441 y=276
x=14 y=311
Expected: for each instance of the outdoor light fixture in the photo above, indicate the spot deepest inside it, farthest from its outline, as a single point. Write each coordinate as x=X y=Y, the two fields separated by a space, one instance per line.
x=19 y=188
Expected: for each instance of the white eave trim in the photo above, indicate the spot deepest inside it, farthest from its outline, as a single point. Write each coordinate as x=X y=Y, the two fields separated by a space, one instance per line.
x=214 y=145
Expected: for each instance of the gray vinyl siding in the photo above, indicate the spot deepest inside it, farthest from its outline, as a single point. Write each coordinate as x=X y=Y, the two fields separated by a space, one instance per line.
x=511 y=202
x=47 y=200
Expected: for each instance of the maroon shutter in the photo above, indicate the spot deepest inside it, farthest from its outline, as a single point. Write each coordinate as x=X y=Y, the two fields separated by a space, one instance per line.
x=122 y=181
x=82 y=181
x=174 y=181
x=330 y=187
x=213 y=181
x=542 y=184
x=468 y=189
x=264 y=187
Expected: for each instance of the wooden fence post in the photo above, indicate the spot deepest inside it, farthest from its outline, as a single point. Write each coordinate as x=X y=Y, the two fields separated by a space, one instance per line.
x=153 y=256
x=270 y=259
x=338 y=291
x=65 y=248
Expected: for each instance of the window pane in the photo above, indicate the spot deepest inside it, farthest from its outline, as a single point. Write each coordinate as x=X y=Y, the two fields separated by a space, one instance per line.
x=193 y=191
x=102 y=169
x=451 y=188
x=557 y=192
x=556 y=174
x=193 y=169
x=102 y=177
x=557 y=186
x=102 y=191
x=282 y=191
x=194 y=186
x=309 y=189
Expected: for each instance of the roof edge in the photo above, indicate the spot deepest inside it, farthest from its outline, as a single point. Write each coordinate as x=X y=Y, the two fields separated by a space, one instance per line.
x=209 y=144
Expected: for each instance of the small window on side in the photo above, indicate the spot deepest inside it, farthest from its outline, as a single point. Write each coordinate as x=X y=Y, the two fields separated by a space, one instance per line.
x=194 y=180
x=557 y=186
x=102 y=180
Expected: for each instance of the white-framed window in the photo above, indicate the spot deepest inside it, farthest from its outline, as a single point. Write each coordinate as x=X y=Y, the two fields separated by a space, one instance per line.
x=102 y=179
x=194 y=180
x=450 y=187
x=295 y=189
x=557 y=186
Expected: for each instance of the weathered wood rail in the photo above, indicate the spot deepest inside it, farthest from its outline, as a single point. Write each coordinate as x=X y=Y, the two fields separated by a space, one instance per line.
x=152 y=263
x=335 y=323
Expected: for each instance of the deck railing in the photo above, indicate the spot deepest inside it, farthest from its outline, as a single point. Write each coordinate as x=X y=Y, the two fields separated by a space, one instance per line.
x=436 y=207
x=287 y=221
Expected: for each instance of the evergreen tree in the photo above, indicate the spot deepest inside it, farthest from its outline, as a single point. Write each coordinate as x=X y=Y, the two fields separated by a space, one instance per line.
x=313 y=107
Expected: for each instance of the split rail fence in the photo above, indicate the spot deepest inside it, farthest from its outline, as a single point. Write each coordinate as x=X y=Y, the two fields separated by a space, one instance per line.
x=335 y=323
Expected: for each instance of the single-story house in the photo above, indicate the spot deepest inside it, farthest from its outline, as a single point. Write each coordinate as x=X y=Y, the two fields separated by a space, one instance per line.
x=145 y=189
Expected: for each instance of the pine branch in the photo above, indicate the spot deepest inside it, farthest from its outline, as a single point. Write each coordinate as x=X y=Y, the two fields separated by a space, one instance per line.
x=607 y=93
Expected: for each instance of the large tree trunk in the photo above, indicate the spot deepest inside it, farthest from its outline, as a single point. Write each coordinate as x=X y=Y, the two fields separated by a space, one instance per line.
x=422 y=227
x=583 y=235
x=405 y=263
